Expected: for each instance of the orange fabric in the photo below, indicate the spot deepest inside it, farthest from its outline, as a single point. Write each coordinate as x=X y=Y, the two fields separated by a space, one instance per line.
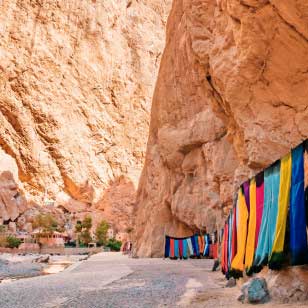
x=172 y=248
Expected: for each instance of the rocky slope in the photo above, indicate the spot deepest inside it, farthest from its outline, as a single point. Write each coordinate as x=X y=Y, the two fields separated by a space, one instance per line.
x=76 y=81
x=231 y=97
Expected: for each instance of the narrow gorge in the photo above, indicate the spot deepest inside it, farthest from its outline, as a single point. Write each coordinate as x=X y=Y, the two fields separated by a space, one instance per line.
x=78 y=131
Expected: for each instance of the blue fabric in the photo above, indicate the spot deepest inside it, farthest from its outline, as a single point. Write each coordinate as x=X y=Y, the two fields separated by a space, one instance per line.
x=273 y=211
x=229 y=239
x=269 y=216
x=167 y=247
x=207 y=245
x=197 y=246
x=298 y=235
x=185 y=248
x=176 y=248
x=193 y=241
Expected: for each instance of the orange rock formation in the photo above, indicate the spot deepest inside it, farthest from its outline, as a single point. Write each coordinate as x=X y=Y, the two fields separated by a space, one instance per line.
x=77 y=79
x=231 y=98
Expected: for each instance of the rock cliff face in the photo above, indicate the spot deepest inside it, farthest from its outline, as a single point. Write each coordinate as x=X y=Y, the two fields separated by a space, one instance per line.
x=231 y=98
x=76 y=82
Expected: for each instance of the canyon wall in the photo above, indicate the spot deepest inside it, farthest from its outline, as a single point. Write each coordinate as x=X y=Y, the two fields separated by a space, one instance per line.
x=76 y=83
x=231 y=98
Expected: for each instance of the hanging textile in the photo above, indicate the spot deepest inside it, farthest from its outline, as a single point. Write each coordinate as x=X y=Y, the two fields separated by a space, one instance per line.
x=167 y=247
x=181 y=248
x=195 y=246
x=306 y=178
x=190 y=247
x=206 y=251
x=171 y=248
x=230 y=239
x=277 y=256
x=185 y=249
x=176 y=248
x=224 y=255
x=251 y=236
x=269 y=217
x=259 y=203
x=237 y=265
x=298 y=235
x=201 y=244
x=234 y=233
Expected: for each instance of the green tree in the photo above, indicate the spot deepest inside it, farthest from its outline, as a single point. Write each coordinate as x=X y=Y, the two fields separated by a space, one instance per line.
x=45 y=221
x=101 y=233
x=78 y=226
x=87 y=223
x=85 y=237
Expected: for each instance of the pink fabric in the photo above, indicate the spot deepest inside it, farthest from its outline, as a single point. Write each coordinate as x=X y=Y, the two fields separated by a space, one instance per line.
x=259 y=203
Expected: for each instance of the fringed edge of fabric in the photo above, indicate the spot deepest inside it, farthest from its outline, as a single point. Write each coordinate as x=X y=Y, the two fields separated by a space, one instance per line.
x=276 y=260
x=235 y=273
x=299 y=258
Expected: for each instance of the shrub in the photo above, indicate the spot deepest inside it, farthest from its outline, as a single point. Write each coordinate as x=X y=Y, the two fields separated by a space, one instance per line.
x=3 y=241
x=13 y=242
x=101 y=233
x=114 y=245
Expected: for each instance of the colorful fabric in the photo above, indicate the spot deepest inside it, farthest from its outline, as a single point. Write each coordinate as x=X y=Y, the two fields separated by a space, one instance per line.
x=269 y=217
x=181 y=248
x=201 y=244
x=214 y=251
x=259 y=203
x=277 y=255
x=251 y=236
x=224 y=255
x=176 y=248
x=171 y=248
x=185 y=252
x=306 y=178
x=298 y=235
x=230 y=239
x=190 y=247
x=206 y=251
x=195 y=246
x=167 y=247
x=234 y=233
x=246 y=187
x=237 y=265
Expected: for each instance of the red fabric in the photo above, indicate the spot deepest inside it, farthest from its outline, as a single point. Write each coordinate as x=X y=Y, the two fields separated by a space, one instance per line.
x=214 y=251
x=181 y=248
x=234 y=236
x=224 y=254
x=172 y=248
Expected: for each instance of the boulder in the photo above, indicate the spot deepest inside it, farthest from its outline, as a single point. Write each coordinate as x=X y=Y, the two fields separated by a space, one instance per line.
x=255 y=292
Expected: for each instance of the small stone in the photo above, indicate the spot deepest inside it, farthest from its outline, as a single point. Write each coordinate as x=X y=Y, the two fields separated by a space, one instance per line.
x=231 y=283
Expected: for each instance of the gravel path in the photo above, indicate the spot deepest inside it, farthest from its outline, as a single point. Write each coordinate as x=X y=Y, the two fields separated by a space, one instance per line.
x=112 y=280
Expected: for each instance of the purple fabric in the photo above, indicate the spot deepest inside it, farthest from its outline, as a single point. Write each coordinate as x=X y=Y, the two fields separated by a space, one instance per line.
x=246 y=186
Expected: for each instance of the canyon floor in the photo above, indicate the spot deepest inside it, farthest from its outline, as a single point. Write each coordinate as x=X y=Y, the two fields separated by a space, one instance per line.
x=114 y=280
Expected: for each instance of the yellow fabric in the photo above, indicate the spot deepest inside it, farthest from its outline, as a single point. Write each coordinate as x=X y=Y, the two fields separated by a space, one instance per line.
x=283 y=202
x=238 y=261
x=250 y=245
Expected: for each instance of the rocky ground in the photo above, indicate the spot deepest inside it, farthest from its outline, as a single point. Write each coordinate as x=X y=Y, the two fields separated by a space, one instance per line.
x=113 y=280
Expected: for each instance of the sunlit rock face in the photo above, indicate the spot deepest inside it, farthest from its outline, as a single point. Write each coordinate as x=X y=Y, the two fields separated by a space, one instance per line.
x=76 y=83
x=231 y=98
